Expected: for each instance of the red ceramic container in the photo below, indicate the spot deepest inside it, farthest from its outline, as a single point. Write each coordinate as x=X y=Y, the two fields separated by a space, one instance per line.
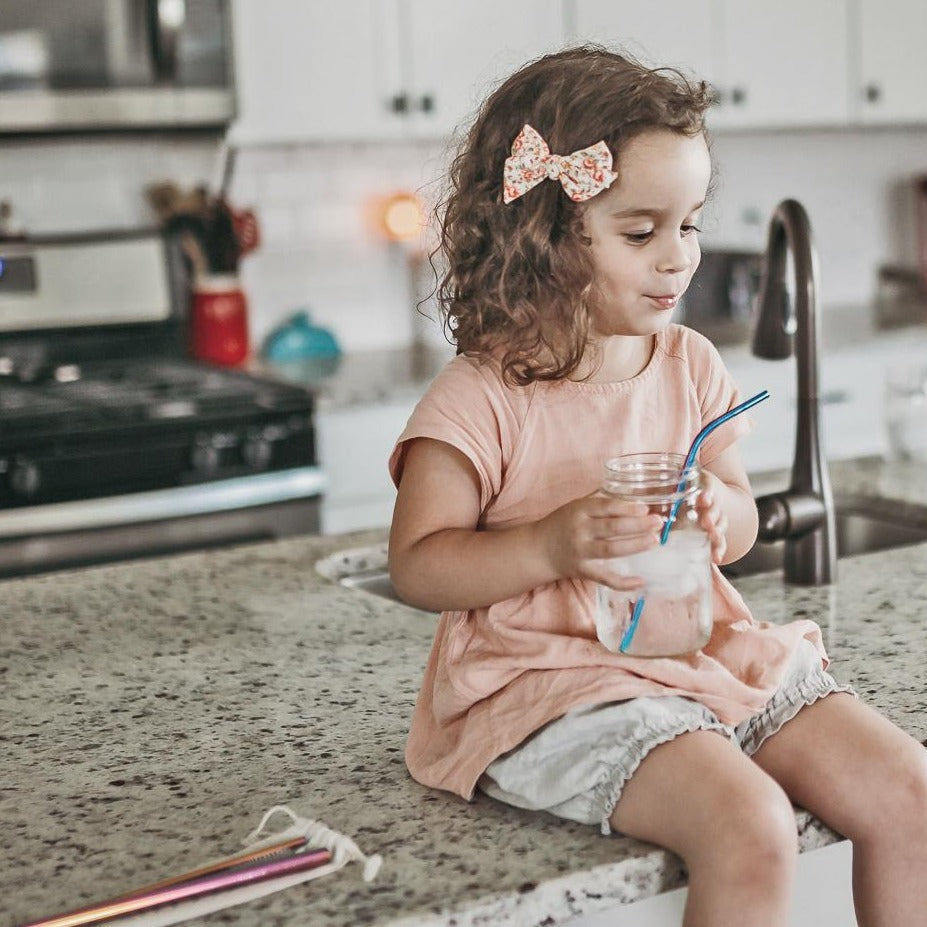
x=219 y=321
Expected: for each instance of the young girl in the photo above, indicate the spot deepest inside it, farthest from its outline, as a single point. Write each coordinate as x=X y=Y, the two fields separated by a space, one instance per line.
x=570 y=233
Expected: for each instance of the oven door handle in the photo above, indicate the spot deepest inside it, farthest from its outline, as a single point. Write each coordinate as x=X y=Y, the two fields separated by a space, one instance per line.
x=159 y=504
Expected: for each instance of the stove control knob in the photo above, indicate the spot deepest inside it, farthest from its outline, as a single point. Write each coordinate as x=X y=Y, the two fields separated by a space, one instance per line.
x=25 y=478
x=205 y=458
x=256 y=452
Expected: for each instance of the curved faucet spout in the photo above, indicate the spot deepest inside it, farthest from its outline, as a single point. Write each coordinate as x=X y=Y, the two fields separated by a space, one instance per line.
x=804 y=514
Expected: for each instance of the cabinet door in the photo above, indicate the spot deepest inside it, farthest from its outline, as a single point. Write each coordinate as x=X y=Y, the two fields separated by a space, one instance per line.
x=354 y=445
x=675 y=33
x=891 y=85
x=325 y=70
x=783 y=64
x=457 y=52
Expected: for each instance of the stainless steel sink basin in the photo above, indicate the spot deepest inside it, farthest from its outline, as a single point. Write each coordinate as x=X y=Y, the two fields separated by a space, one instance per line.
x=864 y=526
x=376 y=582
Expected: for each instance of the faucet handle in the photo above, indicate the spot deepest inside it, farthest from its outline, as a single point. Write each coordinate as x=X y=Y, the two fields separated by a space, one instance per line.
x=789 y=515
x=773 y=517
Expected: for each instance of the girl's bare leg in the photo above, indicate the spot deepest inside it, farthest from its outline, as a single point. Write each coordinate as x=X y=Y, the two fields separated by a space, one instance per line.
x=867 y=779
x=733 y=825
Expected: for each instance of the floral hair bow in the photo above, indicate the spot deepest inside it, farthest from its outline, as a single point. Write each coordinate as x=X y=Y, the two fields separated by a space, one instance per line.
x=583 y=174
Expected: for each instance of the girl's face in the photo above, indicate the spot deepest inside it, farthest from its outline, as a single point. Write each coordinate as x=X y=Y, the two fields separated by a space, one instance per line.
x=644 y=232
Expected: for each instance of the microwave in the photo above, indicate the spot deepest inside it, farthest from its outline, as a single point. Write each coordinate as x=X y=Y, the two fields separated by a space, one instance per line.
x=111 y=65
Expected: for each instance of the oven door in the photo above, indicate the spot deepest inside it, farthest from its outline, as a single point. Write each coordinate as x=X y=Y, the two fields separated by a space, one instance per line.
x=261 y=507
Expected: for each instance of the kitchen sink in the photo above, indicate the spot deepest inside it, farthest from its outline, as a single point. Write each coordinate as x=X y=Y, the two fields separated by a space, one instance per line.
x=864 y=525
x=376 y=582
x=363 y=568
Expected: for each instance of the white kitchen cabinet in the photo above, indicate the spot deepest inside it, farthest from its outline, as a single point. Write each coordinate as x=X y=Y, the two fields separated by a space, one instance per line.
x=773 y=65
x=783 y=64
x=371 y=70
x=354 y=444
x=315 y=71
x=890 y=65
x=458 y=51
x=676 y=33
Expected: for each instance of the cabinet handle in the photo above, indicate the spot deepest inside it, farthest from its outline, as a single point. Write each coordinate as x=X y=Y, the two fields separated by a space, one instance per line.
x=873 y=93
x=738 y=96
x=427 y=103
x=399 y=103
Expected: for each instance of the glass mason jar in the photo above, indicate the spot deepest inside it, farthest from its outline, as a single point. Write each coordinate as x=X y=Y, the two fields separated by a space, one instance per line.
x=906 y=412
x=672 y=613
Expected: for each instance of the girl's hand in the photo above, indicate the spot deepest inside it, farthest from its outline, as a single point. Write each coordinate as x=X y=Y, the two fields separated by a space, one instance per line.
x=711 y=519
x=582 y=535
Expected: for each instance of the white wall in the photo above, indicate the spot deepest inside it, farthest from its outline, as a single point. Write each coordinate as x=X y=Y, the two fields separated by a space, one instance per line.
x=319 y=251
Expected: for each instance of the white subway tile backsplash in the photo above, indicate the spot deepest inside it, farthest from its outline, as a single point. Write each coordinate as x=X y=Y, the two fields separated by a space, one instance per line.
x=280 y=226
x=320 y=250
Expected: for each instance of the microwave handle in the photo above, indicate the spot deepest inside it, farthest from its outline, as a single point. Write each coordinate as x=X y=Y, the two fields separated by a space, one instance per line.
x=165 y=21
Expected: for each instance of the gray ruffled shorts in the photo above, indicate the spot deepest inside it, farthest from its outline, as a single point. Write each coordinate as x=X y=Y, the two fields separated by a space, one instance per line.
x=576 y=766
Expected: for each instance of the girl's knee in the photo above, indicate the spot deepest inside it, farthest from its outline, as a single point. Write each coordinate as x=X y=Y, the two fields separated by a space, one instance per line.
x=768 y=825
x=757 y=837
x=902 y=801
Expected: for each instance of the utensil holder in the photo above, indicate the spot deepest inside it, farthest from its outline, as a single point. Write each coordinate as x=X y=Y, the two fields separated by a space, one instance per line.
x=219 y=321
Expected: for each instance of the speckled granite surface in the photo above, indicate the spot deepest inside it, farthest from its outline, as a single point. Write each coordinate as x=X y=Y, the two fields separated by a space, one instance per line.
x=150 y=712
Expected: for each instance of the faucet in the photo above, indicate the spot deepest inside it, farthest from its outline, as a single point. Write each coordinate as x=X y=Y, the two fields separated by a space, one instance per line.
x=802 y=515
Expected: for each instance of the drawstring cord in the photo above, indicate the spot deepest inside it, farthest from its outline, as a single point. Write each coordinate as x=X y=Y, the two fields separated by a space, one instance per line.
x=344 y=850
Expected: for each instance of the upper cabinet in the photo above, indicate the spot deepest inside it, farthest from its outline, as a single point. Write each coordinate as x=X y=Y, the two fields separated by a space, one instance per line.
x=890 y=74
x=642 y=29
x=373 y=70
x=310 y=71
x=368 y=70
x=772 y=65
x=781 y=64
x=457 y=52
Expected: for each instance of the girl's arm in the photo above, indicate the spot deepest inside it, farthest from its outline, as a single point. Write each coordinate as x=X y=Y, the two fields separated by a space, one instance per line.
x=440 y=560
x=727 y=510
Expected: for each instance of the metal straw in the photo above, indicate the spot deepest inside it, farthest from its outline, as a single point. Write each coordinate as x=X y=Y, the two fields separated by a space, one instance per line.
x=687 y=466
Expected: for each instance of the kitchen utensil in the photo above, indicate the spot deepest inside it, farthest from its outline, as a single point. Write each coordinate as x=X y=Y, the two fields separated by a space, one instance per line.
x=690 y=459
x=246 y=228
x=206 y=225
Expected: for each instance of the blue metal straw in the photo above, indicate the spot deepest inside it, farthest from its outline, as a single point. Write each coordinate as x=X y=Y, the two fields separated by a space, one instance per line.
x=690 y=459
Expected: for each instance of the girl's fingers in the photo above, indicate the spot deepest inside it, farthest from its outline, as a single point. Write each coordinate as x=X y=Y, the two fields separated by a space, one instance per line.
x=622 y=546
x=626 y=526
x=597 y=573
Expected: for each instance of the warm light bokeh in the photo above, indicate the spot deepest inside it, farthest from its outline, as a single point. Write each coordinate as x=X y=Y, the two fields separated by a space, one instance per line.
x=402 y=216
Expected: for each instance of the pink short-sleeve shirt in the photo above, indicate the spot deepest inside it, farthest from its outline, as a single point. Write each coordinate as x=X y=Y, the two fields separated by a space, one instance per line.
x=497 y=674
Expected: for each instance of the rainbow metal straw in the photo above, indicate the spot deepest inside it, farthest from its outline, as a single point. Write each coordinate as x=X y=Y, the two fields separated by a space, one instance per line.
x=690 y=459
x=233 y=872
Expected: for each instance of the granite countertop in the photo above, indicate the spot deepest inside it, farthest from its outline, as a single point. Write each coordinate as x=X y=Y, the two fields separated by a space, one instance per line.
x=153 y=710
x=400 y=373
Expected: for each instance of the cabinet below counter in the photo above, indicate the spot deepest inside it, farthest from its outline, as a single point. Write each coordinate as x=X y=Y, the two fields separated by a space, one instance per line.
x=363 y=403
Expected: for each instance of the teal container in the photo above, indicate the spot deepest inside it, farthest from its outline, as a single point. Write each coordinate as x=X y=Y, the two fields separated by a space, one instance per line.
x=298 y=339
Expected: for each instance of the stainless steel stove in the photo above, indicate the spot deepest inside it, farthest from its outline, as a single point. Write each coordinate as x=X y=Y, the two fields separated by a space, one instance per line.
x=115 y=444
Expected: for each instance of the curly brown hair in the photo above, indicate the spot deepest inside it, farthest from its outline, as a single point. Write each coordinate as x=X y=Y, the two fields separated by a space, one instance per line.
x=519 y=276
